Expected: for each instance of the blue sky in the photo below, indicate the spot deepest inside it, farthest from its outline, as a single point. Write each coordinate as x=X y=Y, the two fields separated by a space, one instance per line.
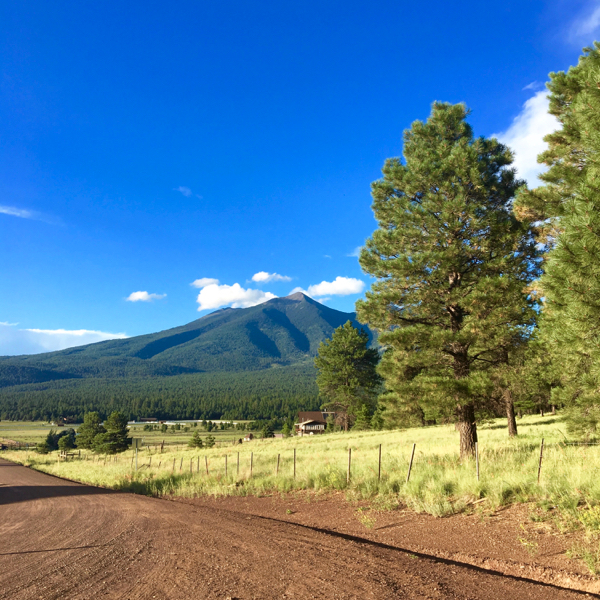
x=147 y=148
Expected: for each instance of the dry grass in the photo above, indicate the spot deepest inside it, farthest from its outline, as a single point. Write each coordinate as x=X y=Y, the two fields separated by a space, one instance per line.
x=440 y=483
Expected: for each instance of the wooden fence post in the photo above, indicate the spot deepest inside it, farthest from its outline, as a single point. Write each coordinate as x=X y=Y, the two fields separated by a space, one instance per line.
x=541 y=455
x=226 y=465
x=477 y=458
x=150 y=463
x=349 y=464
x=198 y=465
x=181 y=464
x=410 y=463
x=277 y=469
x=379 y=472
x=206 y=463
x=173 y=469
x=294 y=463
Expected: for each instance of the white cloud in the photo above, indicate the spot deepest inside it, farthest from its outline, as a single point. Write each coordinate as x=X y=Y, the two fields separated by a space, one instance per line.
x=32 y=341
x=586 y=25
x=13 y=211
x=341 y=286
x=326 y=256
x=532 y=86
x=186 y=191
x=356 y=252
x=215 y=296
x=24 y=213
x=204 y=281
x=144 y=297
x=264 y=277
x=525 y=137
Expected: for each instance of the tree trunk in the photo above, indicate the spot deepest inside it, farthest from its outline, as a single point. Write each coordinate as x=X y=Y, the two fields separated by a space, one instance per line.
x=510 y=414
x=468 y=430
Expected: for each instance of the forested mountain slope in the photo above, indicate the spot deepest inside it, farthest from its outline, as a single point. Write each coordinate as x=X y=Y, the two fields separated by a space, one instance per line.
x=250 y=362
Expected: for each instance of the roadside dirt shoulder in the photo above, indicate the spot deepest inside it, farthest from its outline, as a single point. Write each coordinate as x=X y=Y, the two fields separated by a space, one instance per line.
x=61 y=540
x=506 y=541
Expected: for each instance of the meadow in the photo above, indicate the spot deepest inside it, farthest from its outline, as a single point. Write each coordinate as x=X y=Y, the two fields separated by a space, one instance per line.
x=440 y=483
x=34 y=432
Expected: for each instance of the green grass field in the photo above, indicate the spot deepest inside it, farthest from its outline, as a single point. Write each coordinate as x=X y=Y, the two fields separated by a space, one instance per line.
x=440 y=483
x=28 y=432
x=25 y=432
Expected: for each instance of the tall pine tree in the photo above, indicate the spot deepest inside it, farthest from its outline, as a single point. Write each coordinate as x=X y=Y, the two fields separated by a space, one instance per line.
x=568 y=208
x=452 y=265
x=347 y=375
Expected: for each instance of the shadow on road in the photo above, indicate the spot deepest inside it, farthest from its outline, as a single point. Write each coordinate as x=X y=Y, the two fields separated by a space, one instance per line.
x=22 y=493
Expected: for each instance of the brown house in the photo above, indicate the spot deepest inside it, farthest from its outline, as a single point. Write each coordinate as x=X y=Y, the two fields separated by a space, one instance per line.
x=312 y=422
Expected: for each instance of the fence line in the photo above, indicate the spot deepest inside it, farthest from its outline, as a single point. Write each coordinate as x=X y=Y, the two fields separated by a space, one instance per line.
x=76 y=454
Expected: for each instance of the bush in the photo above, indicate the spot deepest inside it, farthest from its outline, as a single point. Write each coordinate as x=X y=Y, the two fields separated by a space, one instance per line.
x=210 y=441
x=42 y=448
x=53 y=438
x=66 y=442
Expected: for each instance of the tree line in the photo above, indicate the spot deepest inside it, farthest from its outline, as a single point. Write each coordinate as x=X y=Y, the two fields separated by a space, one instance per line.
x=260 y=395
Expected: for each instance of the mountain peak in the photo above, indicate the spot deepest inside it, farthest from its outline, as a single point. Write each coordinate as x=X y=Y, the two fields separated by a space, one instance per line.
x=297 y=296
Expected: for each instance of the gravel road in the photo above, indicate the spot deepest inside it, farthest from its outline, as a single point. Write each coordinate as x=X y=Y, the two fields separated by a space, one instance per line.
x=64 y=540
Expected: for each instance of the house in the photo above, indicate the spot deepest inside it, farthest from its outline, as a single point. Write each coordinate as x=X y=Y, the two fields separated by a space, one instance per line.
x=312 y=422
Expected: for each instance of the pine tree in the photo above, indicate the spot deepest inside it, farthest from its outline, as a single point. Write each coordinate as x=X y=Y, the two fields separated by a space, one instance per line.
x=363 y=419
x=347 y=375
x=267 y=431
x=569 y=202
x=91 y=427
x=196 y=440
x=115 y=439
x=452 y=265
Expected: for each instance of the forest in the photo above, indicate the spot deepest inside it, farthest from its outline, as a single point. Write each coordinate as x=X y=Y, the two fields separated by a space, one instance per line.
x=257 y=395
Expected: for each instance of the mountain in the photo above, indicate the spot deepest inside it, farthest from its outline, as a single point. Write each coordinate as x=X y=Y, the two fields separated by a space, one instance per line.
x=211 y=367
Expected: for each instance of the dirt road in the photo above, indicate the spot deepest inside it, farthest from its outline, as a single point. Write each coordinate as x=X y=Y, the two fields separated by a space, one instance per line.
x=63 y=540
